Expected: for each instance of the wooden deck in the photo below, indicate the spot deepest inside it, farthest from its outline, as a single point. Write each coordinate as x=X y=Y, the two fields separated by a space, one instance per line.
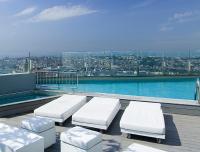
x=182 y=134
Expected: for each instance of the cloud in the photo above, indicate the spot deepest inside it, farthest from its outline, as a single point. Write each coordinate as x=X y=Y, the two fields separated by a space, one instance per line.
x=179 y=18
x=26 y=11
x=61 y=12
x=143 y=3
x=166 y=28
x=182 y=17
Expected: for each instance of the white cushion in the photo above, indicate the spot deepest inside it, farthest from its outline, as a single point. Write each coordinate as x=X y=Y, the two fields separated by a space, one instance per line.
x=141 y=148
x=143 y=117
x=81 y=137
x=97 y=111
x=37 y=124
x=62 y=107
x=16 y=138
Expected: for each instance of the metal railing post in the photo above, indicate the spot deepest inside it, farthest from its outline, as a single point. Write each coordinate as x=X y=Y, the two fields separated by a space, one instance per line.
x=52 y=77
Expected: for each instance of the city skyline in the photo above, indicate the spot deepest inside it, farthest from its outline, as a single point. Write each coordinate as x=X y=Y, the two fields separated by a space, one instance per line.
x=118 y=64
x=52 y=27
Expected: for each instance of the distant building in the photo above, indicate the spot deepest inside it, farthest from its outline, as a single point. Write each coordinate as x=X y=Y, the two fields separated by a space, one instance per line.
x=189 y=66
x=28 y=65
x=68 y=58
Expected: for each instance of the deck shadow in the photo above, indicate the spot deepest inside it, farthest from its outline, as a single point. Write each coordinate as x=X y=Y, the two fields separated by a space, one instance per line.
x=67 y=123
x=16 y=115
x=111 y=146
x=172 y=135
x=56 y=146
x=114 y=128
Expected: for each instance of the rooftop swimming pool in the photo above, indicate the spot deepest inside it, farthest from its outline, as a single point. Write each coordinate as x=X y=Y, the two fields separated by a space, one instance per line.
x=176 y=88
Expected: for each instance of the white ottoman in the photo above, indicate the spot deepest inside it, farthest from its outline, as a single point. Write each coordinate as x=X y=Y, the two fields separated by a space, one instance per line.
x=141 y=148
x=79 y=139
x=13 y=139
x=43 y=127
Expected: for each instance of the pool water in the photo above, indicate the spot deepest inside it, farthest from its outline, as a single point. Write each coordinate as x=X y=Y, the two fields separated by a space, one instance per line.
x=20 y=97
x=177 y=88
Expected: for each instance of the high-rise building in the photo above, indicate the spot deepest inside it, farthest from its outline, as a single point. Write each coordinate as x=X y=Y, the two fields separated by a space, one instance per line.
x=189 y=63
x=26 y=65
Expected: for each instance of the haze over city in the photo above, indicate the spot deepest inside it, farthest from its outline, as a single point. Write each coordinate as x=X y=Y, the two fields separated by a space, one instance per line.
x=51 y=27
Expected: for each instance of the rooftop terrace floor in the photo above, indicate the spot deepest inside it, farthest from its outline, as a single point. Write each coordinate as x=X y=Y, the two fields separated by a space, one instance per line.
x=182 y=134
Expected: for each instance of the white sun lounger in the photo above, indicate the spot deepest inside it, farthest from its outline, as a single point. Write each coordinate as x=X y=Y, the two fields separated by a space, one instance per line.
x=62 y=108
x=13 y=139
x=97 y=113
x=141 y=148
x=145 y=119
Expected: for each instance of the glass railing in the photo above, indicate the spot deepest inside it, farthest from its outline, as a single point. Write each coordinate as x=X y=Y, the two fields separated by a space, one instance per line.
x=129 y=64
x=108 y=63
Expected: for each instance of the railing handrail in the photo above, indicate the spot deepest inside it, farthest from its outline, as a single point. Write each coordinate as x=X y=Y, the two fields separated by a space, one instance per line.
x=57 y=77
x=197 y=91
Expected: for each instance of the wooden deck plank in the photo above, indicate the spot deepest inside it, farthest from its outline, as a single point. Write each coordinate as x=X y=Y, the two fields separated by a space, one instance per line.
x=182 y=134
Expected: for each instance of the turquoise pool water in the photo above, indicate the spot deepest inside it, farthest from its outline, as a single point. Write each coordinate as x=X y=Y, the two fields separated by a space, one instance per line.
x=20 y=97
x=178 y=88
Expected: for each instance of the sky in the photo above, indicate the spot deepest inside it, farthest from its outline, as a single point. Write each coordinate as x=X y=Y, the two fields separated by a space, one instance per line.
x=47 y=27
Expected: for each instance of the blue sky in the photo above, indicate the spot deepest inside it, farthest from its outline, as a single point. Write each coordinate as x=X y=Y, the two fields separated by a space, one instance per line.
x=53 y=26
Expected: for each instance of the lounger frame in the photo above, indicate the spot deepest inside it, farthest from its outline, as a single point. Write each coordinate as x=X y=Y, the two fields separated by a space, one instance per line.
x=146 y=134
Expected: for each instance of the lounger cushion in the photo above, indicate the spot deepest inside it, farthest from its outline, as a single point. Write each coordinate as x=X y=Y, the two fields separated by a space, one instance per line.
x=144 y=117
x=16 y=138
x=141 y=148
x=81 y=137
x=62 y=107
x=98 y=111
x=37 y=124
